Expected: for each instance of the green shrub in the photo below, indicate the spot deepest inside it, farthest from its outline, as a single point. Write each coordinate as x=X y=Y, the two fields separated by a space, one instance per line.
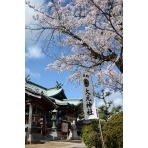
x=90 y=135
x=113 y=131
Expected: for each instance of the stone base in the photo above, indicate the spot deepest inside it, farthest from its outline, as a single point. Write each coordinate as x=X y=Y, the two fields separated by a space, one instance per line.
x=76 y=138
x=54 y=135
x=37 y=138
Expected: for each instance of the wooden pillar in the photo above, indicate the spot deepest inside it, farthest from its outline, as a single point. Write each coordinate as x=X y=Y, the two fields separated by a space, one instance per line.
x=41 y=125
x=44 y=127
x=30 y=123
x=44 y=122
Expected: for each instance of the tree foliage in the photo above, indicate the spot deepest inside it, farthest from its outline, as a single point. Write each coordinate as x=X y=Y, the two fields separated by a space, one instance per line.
x=91 y=135
x=113 y=131
x=93 y=32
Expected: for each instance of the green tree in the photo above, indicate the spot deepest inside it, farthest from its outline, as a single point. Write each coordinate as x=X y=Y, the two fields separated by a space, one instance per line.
x=108 y=108
x=113 y=131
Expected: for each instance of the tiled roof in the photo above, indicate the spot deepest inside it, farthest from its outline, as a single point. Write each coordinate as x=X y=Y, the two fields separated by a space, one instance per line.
x=45 y=91
x=38 y=90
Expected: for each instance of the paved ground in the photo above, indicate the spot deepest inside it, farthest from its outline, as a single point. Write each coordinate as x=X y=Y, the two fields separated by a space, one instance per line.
x=57 y=144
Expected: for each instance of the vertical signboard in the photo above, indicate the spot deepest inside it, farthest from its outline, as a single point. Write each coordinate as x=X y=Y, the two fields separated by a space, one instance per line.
x=64 y=127
x=88 y=97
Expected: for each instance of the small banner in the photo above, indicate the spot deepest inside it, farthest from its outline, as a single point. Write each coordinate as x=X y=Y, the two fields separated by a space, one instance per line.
x=89 y=107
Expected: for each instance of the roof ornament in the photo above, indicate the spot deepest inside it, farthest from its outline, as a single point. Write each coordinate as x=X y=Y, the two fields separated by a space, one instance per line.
x=58 y=85
x=27 y=78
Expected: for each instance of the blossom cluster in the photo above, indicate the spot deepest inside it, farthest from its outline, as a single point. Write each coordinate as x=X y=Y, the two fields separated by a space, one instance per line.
x=93 y=29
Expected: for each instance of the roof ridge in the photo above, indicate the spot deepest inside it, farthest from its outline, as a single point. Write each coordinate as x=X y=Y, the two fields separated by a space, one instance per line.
x=43 y=86
x=36 y=85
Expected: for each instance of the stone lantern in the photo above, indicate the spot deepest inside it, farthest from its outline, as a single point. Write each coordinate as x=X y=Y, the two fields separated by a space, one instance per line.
x=54 y=127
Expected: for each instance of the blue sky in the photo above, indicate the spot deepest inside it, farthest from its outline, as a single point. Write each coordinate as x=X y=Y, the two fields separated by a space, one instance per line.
x=36 y=62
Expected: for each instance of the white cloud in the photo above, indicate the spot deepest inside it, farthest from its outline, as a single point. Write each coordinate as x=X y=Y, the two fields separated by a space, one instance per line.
x=34 y=53
x=32 y=74
x=99 y=102
x=118 y=101
x=116 y=97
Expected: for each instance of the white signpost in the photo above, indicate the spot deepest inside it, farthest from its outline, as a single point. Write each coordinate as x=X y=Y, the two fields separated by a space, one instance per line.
x=89 y=107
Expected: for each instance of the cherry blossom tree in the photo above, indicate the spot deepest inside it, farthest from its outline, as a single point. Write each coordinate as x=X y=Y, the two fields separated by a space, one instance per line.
x=93 y=32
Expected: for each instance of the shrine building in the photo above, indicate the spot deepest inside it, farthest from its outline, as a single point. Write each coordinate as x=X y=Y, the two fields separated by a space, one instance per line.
x=49 y=114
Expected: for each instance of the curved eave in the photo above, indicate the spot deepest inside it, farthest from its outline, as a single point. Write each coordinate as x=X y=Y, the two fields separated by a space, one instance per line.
x=42 y=97
x=74 y=102
x=59 y=102
x=34 y=87
x=33 y=94
x=53 y=92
